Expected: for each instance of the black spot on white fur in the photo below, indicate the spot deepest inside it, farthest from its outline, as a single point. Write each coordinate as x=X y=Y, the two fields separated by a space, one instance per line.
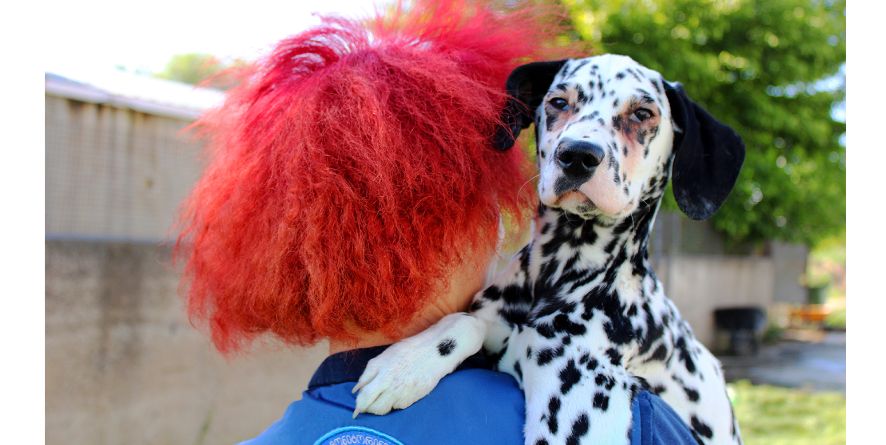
x=579 y=428
x=446 y=346
x=569 y=376
x=701 y=428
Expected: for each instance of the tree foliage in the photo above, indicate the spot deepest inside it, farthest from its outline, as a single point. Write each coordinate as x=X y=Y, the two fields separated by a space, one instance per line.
x=200 y=69
x=769 y=68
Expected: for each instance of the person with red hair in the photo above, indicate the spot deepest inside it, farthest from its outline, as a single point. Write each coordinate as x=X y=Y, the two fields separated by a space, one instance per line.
x=351 y=172
x=354 y=194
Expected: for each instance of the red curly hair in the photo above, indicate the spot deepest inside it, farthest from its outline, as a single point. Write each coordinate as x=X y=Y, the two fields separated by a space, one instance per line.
x=348 y=171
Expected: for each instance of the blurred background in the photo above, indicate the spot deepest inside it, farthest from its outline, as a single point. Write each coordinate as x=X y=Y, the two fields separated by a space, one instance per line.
x=762 y=283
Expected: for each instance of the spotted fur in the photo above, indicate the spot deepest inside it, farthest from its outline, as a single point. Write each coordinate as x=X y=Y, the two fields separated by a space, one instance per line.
x=578 y=316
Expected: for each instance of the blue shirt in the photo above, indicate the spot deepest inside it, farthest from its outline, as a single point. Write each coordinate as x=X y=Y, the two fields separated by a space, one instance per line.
x=473 y=405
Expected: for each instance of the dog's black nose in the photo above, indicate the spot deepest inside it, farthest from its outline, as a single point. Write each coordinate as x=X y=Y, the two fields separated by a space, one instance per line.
x=578 y=158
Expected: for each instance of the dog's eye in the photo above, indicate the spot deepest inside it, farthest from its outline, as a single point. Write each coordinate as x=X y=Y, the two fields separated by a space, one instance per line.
x=641 y=115
x=559 y=103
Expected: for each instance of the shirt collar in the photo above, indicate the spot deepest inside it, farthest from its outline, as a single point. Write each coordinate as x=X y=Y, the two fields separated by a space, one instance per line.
x=347 y=366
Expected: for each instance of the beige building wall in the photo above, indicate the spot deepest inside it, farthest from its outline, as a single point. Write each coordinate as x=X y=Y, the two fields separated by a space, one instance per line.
x=699 y=284
x=123 y=365
x=114 y=173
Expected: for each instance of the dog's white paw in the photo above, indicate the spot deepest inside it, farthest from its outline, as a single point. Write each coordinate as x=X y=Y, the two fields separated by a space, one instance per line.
x=397 y=378
x=410 y=369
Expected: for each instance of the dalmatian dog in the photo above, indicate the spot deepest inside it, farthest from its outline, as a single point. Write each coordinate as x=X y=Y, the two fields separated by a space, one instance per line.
x=578 y=317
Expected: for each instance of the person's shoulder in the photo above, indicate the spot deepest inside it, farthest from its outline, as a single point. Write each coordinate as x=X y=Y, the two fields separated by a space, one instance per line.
x=656 y=423
x=476 y=406
x=471 y=383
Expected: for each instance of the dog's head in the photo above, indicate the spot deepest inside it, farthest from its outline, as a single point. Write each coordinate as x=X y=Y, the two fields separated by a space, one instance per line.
x=607 y=130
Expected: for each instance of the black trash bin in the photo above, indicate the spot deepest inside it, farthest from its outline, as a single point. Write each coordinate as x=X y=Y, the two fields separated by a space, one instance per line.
x=744 y=326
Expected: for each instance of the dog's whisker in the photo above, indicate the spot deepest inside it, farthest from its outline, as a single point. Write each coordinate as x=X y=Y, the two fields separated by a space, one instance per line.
x=520 y=190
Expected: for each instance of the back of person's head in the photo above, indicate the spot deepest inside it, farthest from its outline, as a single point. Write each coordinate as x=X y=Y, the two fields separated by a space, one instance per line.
x=351 y=169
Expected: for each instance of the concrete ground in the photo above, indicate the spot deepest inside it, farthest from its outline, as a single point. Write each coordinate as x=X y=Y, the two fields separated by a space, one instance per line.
x=815 y=361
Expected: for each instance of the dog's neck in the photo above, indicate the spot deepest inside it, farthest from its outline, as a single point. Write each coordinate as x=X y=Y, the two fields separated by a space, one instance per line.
x=576 y=252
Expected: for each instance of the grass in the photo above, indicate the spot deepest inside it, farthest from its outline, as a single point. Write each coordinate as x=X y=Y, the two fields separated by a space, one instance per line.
x=769 y=415
x=836 y=319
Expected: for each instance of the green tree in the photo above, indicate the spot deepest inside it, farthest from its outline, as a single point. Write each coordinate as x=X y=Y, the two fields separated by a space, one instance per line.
x=200 y=69
x=769 y=68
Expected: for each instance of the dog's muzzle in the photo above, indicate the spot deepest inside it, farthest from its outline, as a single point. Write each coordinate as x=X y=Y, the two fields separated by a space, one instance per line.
x=578 y=159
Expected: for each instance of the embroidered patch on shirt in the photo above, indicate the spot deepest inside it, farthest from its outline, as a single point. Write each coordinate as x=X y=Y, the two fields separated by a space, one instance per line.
x=356 y=435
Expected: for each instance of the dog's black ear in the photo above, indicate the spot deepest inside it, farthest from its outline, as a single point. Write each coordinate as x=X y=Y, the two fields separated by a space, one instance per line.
x=708 y=156
x=526 y=86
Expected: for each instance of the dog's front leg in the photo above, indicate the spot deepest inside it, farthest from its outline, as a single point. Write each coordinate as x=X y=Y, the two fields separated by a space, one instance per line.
x=409 y=369
x=574 y=397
